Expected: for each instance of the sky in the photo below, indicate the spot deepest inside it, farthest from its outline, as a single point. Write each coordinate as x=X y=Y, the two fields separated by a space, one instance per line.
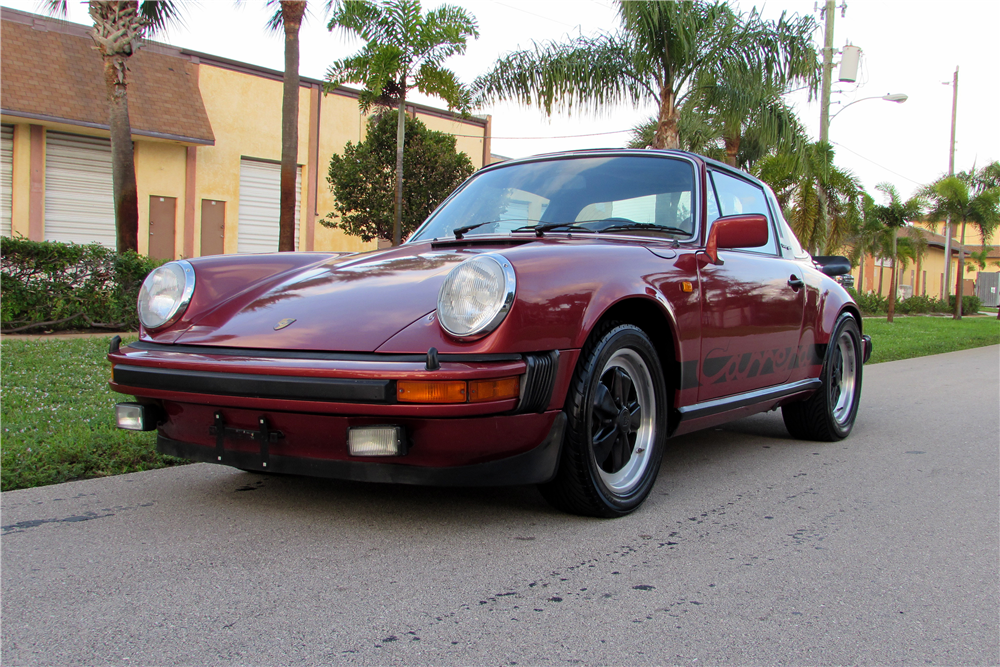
x=909 y=47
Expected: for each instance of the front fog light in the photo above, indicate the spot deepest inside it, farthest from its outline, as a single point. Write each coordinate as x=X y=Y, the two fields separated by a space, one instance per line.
x=376 y=440
x=135 y=417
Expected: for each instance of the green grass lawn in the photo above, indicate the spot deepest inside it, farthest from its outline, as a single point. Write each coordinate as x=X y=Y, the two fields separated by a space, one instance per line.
x=920 y=335
x=57 y=416
x=57 y=412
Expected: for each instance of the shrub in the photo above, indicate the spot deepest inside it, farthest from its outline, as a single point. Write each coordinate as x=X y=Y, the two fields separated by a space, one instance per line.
x=917 y=305
x=970 y=304
x=870 y=303
x=68 y=286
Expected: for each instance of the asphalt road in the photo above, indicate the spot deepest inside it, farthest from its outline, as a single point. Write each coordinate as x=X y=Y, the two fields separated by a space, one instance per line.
x=753 y=549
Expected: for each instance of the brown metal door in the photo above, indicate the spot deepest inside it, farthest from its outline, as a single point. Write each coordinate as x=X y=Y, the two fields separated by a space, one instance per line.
x=213 y=227
x=162 y=223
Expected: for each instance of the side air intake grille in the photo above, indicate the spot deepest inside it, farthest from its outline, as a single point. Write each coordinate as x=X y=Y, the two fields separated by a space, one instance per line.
x=539 y=380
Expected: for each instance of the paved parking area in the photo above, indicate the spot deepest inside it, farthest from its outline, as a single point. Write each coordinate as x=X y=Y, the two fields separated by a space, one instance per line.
x=753 y=549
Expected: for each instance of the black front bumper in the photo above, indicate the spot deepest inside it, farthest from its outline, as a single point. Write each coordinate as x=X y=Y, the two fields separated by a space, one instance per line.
x=866 y=343
x=536 y=466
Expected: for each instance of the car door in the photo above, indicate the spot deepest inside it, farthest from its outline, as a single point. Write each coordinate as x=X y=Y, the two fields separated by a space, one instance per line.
x=752 y=303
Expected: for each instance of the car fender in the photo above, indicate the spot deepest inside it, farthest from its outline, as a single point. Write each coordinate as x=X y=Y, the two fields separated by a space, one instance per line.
x=560 y=297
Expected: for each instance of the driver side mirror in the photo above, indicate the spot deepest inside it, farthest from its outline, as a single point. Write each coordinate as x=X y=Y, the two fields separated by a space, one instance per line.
x=736 y=231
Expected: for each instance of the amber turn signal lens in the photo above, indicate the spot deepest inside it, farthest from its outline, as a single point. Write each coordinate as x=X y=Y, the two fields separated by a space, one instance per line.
x=415 y=391
x=494 y=390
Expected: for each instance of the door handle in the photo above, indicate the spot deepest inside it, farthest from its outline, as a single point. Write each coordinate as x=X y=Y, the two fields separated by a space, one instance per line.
x=795 y=283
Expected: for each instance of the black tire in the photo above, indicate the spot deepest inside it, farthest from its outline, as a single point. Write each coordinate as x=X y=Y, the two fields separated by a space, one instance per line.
x=617 y=409
x=828 y=415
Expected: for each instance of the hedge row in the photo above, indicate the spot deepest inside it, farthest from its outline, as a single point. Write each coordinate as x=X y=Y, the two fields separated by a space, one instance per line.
x=57 y=286
x=872 y=303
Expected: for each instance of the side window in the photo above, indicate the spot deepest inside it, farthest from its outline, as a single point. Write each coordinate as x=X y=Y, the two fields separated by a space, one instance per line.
x=737 y=196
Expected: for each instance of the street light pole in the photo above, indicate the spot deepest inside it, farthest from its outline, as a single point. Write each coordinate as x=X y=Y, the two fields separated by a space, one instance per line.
x=898 y=98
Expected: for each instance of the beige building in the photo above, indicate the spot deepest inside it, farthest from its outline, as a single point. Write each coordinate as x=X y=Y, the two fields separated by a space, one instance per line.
x=926 y=276
x=207 y=139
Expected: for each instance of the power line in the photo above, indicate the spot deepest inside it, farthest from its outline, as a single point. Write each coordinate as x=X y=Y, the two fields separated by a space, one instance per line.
x=876 y=163
x=565 y=136
x=547 y=18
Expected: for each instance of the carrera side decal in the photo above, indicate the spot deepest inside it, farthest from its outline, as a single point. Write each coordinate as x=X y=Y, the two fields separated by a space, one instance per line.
x=720 y=367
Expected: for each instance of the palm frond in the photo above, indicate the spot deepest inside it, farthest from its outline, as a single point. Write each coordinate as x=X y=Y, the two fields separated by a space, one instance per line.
x=161 y=14
x=588 y=73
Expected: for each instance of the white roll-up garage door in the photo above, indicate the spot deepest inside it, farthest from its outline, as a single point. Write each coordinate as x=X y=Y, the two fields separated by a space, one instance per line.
x=79 y=198
x=260 y=206
x=6 y=176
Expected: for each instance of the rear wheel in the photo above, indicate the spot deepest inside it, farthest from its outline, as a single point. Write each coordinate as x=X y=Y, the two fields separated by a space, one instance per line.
x=829 y=414
x=617 y=426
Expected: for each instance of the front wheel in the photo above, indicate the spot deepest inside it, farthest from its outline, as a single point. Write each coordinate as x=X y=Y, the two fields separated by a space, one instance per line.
x=616 y=430
x=829 y=414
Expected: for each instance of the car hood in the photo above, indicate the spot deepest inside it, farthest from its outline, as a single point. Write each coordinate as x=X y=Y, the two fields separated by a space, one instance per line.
x=351 y=305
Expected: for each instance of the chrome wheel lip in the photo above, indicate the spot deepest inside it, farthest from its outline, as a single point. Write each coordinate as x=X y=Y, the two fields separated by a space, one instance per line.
x=843 y=379
x=630 y=476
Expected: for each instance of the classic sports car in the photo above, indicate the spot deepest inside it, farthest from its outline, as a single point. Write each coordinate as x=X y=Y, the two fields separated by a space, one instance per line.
x=553 y=322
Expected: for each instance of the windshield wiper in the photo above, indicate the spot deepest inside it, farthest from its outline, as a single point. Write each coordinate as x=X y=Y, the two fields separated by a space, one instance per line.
x=541 y=229
x=468 y=228
x=644 y=225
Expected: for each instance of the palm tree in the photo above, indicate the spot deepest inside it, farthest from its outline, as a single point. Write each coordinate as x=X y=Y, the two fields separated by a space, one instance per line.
x=404 y=49
x=291 y=13
x=895 y=215
x=748 y=112
x=737 y=122
x=287 y=18
x=800 y=180
x=694 y=134
x=655 y=56
x=120 y=26
x=864 y=237
x=968 y=197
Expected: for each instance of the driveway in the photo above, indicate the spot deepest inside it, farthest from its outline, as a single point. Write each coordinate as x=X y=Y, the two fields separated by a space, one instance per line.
x=752 y=549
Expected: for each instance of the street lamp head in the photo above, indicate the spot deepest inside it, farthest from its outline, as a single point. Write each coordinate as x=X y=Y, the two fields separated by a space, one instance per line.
x=895 y=97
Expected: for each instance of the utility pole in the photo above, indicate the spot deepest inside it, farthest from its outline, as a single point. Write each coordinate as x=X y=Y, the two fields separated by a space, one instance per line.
x=824 y=100
x=824 y=117
x=951 y=172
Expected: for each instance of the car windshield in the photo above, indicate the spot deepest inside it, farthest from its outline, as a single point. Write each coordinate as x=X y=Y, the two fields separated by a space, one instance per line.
x=635 y=194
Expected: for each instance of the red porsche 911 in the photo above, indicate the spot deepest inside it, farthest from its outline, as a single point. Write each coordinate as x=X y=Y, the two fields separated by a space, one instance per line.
x=554 y=322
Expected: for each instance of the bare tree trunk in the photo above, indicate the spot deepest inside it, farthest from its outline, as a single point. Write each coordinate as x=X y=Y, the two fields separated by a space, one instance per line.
x=892 y=281
x=960 y=273
x=819 y=235
x=667 y=135
x=291 y=19
x=126 y=195
x=861 y=274
x=732 y=149
x=397 y=224
x=947 y=258
x=881 y=273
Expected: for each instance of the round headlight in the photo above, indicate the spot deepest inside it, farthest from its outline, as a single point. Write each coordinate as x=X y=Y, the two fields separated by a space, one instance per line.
x=165 y=294
x=476 y=296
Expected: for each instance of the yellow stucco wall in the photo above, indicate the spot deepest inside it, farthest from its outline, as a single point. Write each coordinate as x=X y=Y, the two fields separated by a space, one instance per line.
x=21 y=180
x=340 y=121
x=160 y=169
x=245 y=112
